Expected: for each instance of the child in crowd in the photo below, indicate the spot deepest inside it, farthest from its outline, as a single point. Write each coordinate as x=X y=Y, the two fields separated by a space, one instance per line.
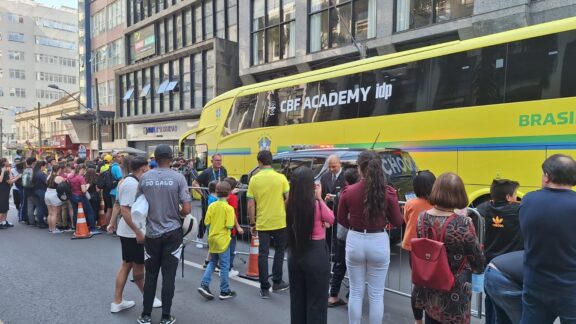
x=422 y=184
x=219 y=220
x=233 y=201
x=502 y=227
x=211 y=198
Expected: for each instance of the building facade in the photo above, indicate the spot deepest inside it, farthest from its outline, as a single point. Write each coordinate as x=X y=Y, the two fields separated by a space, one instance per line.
x=179 y=55
x=38 y=47
x=102 y=48
x=283 y=37
x=53 y=129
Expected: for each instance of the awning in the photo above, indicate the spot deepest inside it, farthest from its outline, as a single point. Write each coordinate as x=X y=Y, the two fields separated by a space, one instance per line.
x=128 y=94
x=145 y=91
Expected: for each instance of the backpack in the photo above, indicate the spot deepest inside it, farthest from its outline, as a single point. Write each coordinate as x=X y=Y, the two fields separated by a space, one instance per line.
x=27 y=178
x=430 y=267
x=63 y=190
x=106 y=181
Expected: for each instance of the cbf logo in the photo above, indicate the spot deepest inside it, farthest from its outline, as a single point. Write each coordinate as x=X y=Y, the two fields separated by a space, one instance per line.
x=264 y=143
x=218 y=113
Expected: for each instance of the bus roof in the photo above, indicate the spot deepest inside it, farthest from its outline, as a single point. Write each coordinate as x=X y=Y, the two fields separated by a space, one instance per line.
x=404 y=56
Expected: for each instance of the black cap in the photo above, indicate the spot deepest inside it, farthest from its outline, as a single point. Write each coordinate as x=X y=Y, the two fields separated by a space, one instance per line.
x=163 y=151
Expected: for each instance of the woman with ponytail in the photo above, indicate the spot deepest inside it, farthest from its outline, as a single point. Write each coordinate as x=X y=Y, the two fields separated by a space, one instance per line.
x=308 y=259
x=366 y=208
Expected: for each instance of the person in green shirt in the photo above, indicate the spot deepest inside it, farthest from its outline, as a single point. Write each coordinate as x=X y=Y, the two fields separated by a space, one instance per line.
x=267 y=194
x=220 y=219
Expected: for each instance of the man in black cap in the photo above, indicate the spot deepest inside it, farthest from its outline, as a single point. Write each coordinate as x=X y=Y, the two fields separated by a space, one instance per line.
x=165 y=189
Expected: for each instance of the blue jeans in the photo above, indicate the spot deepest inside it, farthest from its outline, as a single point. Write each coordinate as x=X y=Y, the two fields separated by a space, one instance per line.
x=87 y=210
x=505 y=296
x=224 y=258
x=232 y=251
x=540 y=306
x=42 y=208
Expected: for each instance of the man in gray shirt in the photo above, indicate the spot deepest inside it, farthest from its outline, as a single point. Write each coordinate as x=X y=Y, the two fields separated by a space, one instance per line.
x=165 y=191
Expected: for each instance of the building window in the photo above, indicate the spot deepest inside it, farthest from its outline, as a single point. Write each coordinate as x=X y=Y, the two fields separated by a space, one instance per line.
x=187 y=27
x=232 y=20
x=169 y=35
x=16 y=55
x=412 y=14
x=51 y=59
x=220 y=18
x=17 y=74
x=208 y=19
x=179 y=36
x=47 y=23
x=16 y=37
x=198 y=29
x=111 y=93
x=57 y=78
x=40 y=40
x=186 y=84
x=209 y=59
x=15 y=19
x=197 y=80
x=273 y=30
x=18 y=92
x=115 y=13
x=333 y=24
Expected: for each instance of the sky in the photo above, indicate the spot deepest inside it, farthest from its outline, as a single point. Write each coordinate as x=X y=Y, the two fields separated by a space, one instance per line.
x=58 y=3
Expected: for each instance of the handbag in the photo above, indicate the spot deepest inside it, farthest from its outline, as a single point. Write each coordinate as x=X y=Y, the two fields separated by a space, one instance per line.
x=430 y=266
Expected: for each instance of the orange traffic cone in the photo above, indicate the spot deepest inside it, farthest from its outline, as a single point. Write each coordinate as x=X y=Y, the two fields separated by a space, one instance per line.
x=82 y=231
x=102 y=214
x=252 y=272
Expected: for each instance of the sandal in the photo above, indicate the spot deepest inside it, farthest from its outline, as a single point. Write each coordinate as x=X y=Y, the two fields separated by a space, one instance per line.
x=340 y=302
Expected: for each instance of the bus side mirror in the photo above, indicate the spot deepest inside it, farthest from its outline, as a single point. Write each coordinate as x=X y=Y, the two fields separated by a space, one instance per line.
x=244 y=179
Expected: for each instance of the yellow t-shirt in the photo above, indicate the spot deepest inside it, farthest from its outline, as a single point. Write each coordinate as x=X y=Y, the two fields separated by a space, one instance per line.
x=220 y=216
x=267 y=188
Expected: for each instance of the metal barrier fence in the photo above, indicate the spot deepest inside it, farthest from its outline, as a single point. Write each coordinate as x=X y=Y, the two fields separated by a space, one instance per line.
x=398 y=281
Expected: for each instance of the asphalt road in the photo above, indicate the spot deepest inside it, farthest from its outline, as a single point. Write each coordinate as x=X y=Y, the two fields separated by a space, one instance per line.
x=46 y=278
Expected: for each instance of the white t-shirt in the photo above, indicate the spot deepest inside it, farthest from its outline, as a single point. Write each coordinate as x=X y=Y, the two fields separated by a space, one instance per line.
x=126 y=197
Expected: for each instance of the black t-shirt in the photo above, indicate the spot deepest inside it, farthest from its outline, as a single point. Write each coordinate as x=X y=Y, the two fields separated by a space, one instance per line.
x=502 y=228
x=510 y=265
x=210 y=175
x=39 y=180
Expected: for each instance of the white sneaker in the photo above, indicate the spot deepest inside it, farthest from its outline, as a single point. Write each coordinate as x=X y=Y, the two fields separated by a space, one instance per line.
x=157 y=303
x=56 y=231
x=233 y=273
x=125 y=304
x=199 y=245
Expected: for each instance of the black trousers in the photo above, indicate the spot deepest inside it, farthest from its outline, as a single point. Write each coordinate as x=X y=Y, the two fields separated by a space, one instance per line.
x=339 y=267
x=17 y=198
x=430 y=320
x=309 y=271
x=280 y=237
x=162 y=253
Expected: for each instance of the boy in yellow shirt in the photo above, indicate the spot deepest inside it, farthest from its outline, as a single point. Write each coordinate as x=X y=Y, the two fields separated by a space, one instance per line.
x=219 y=220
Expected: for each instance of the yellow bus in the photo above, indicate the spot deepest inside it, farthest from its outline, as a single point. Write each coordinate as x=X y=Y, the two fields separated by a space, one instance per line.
x=489 y=107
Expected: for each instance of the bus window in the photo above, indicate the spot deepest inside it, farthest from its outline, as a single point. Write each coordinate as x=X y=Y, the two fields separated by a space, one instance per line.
x=201 y=156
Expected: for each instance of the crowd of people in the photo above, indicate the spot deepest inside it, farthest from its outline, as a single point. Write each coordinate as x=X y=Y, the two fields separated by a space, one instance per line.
x=343 y=219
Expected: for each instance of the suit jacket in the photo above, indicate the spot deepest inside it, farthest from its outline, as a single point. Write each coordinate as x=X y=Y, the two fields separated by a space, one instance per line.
x=329 y=187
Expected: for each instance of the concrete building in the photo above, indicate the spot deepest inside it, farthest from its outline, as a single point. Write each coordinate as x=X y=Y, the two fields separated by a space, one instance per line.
x=180 y=54
x=101 y=50
x=62 y=128
x=283 y=37
x=38 y=47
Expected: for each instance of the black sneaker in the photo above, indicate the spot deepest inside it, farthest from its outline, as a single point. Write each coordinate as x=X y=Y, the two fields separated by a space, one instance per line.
x=205 y=264
x=264 y=293
x=3 y=226
x=9 y=224
x=168 y=320
x=144 y=319
x=227 y=294
x=205 y=292
x=281 y=286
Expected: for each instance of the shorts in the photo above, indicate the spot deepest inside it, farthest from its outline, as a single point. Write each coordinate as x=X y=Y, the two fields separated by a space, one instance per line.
x=107 y=200
x=131 y=250
x=51 y=198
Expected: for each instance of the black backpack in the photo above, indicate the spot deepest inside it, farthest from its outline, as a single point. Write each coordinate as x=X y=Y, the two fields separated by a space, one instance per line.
x=27 y=178
x=106 y=181
x=63 y=190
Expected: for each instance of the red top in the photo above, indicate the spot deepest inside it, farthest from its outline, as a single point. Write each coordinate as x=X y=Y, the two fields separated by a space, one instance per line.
x=322 y=214
x=351 y=209
x=76 y=182
x=233 y=201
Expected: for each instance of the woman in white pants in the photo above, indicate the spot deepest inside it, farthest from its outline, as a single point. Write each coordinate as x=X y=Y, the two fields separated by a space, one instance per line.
x=366 y=208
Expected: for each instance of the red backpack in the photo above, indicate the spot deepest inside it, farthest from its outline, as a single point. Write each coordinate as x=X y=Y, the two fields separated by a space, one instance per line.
x=430 y=266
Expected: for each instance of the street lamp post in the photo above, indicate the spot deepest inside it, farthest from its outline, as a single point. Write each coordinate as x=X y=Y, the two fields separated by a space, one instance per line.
x=98 y=132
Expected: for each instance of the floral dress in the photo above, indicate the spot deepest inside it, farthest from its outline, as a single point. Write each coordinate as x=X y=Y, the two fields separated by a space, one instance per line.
x=462 y=245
